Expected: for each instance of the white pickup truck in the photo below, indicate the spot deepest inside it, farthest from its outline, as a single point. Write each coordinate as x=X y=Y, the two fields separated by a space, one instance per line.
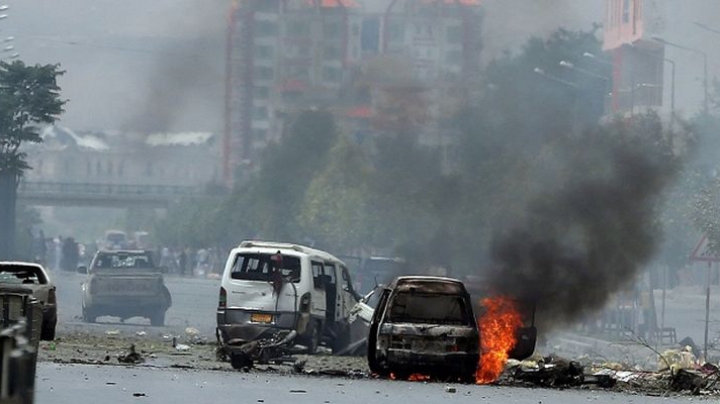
x=124 y=284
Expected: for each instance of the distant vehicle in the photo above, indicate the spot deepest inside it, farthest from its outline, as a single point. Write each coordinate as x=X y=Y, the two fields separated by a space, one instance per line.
x=370 y=271
x=34 y=277
x=426 y=325
x=276 y=291
x=140 y=241
x=115 y=240
x=124 y=283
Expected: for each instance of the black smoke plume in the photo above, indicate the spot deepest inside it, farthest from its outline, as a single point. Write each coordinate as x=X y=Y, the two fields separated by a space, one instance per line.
x=589 y=232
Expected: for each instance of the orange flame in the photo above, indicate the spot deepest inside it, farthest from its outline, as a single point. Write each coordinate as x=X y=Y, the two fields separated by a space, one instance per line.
x=497 y=337
x=415 y=377
x=418 y=377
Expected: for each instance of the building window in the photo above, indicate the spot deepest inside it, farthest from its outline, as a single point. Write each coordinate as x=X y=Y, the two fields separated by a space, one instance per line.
x=454 y=57
x=298 y=28
x=265 y=73
x=454 y=35
x=259 y=135
x=626 y=12
x=397 y=31
x=331 y=52
x=261 y=93
x=265 y=28
x=260 y=113
x=264 y=52
x=331 y=74
x=331 y=30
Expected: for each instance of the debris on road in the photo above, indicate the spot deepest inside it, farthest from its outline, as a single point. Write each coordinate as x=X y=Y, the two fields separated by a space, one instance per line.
x=132 y=357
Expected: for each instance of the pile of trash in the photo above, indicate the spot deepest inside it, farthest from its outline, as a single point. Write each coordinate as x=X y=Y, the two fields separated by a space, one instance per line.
x=678 y=372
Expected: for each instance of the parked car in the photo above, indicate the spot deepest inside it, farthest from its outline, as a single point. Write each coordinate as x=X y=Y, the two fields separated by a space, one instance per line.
x=27 y=275
x=124 y=283
x=270 y=291
x=424 y=324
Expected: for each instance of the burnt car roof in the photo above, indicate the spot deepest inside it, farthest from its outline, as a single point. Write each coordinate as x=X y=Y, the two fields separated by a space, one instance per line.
x=428 y=284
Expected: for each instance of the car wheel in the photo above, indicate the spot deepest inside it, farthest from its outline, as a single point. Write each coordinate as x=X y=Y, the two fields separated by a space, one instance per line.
x=342 y=341
x=157 y=319
x=47 y=333
x=240 y=361
x=312 y=337
x=89 y=315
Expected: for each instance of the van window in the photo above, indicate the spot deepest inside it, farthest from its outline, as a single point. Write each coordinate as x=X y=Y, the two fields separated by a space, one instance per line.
x=330 y=271
x=428 y=308
x=317 y=270
x=260 y=267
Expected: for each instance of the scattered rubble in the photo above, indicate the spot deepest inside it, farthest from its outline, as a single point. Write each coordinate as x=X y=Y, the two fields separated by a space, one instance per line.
x=681 y=375
x=132 y=357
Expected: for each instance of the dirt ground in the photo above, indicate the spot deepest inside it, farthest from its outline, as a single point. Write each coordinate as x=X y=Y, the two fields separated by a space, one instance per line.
x=156 y=350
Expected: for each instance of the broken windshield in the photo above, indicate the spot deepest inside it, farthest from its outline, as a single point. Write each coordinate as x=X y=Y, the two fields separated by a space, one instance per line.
x=120 y=261
x=262 y=267
x=408 y=307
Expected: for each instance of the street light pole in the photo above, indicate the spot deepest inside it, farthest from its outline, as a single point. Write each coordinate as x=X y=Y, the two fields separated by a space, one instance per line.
x=706 y=102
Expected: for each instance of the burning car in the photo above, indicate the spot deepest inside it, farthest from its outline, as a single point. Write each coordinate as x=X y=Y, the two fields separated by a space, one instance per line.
x=424 y=325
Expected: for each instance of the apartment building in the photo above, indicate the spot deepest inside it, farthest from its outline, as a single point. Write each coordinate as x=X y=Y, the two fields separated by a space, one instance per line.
x=286 y=55
x=665 y=54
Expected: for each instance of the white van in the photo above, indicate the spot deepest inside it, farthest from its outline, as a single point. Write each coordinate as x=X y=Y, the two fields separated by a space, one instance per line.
x=270 y=289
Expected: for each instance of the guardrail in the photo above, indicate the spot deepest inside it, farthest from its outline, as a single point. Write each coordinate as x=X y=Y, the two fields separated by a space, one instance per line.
x=107 y=189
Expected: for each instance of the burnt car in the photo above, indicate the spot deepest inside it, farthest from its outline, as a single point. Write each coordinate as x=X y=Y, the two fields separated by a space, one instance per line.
x=125 y=284
x=33 y=277
x=426 y=325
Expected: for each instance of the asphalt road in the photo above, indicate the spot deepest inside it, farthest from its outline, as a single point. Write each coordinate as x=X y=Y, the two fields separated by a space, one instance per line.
x=78 y=384
x=194 y=305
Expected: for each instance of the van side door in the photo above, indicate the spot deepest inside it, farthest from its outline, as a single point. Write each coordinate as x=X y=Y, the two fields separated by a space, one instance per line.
x=318 y=307
x=346 y=290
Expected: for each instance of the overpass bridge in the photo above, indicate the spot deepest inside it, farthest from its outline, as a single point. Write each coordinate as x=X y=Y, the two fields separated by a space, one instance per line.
x=104 y=195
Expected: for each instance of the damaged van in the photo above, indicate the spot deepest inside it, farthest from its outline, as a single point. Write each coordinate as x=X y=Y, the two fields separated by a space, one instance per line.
x=274 y=296
x=426 y=325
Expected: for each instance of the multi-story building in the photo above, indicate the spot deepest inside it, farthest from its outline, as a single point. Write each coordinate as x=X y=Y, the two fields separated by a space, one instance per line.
x=664 y=54
x=284 y=55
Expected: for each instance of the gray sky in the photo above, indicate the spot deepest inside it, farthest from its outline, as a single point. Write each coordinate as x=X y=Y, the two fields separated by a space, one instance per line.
x=150 y=64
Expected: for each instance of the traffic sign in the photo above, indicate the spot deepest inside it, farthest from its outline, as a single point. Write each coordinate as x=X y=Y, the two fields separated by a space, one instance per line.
x=702 y=251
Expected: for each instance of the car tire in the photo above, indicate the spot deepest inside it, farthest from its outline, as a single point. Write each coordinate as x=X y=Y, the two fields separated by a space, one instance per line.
x=312 y=337
x=342 y=341
x=47 y=333
x=89 y=315
x=157 y=319
x=240 y=361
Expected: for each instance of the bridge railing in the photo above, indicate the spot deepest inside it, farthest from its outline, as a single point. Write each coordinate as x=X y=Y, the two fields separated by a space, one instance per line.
x=107 y=189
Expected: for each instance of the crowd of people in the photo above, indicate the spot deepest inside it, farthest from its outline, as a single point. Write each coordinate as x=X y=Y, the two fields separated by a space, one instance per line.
x=203 y=262
x=66 y=254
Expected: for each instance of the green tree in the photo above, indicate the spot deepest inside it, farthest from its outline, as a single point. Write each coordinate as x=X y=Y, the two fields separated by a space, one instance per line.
x=29 y=98
x=335 y=211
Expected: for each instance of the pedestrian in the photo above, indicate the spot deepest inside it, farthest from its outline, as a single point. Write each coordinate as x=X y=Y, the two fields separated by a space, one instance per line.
x=183 y=261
